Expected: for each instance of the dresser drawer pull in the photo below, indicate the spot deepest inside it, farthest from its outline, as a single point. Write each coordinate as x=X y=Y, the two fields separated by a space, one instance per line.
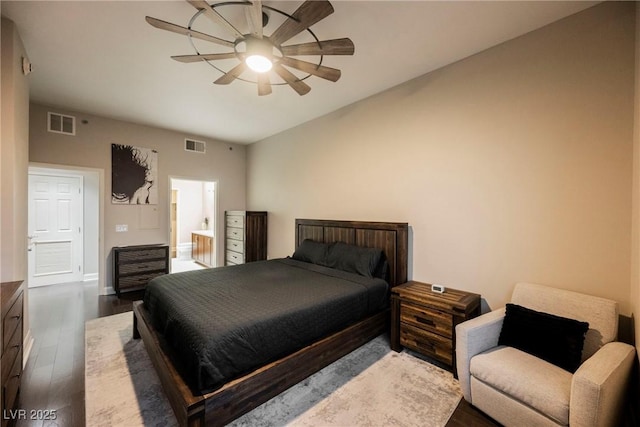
x=425 y=321
x=425 y=344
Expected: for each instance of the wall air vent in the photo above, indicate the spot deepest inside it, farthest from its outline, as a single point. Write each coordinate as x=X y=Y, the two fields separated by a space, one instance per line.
x=196 y=146
x=60 y=123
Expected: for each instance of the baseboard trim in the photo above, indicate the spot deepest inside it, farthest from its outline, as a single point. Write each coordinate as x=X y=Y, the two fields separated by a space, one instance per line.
x=27 y=345
x=90 y=276
x=108 y=291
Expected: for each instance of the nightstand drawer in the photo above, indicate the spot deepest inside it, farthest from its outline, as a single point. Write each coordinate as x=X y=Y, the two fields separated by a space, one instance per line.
x=424 y=318
x=427 y=343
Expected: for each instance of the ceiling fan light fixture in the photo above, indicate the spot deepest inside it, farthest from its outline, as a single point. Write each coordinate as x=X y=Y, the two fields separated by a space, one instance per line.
x=259 y=55
x=259 y=63
x=259 y=52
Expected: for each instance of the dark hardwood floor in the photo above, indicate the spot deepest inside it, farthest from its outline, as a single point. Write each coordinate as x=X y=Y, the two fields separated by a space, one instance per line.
x=53 y=378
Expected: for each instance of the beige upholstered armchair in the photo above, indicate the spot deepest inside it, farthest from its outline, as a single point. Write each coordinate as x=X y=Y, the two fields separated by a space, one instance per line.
x=518 y=389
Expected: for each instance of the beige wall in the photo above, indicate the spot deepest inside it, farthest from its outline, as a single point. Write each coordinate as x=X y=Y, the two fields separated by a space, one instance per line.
x=512 y=165
x=91 y=147
x=14 y=148
x=15 y=143
x=635 y=251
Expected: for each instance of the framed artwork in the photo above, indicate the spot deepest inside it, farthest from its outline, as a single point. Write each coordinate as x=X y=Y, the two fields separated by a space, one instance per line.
x=134 y=175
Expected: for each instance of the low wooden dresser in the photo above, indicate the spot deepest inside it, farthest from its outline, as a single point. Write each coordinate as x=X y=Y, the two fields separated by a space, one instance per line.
x=245 y=237
x=135 y=266
x=11 y=362
x=425 y=321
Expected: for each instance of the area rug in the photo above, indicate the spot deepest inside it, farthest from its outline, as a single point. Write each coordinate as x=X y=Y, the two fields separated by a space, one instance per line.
x=371 y=386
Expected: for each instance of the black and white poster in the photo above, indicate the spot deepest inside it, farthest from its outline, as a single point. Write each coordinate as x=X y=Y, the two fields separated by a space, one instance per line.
x=134 y=175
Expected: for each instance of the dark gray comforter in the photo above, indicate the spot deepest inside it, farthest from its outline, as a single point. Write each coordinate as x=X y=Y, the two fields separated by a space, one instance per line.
x=222 y=323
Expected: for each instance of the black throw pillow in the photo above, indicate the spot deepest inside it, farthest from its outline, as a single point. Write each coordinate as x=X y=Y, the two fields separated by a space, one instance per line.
x=556 y=339
x=354 y=259
x=312 y=251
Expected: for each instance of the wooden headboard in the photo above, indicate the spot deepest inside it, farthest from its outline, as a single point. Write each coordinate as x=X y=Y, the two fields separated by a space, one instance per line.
x=391 y=237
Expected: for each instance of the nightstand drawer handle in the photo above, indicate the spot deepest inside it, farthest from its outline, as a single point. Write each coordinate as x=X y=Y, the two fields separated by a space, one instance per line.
x=426 y=344
x=425 y=321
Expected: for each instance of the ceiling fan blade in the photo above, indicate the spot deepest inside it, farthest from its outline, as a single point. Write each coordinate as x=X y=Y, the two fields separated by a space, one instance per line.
x=264 y=85
x=254 y=17
x=215 y=17
x=298 y=85
x=164 y=25
x=324 y=47
x=232 y=74
x=310 y=12
x=326 y=73
x=204 y=57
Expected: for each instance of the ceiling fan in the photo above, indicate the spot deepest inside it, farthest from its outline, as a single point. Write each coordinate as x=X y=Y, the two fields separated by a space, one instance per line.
x=261 y=53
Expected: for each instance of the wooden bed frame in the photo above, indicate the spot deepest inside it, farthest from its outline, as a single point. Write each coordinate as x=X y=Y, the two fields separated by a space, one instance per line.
x=243 y=394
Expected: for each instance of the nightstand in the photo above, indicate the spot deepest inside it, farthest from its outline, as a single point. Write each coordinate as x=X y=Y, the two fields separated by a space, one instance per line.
x=425 y=321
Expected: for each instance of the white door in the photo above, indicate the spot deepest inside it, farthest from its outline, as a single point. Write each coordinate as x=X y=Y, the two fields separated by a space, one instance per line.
x=55 y=229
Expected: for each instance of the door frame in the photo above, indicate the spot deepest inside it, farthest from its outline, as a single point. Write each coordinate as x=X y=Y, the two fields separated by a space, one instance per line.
x=218 y=241
x=96 y=237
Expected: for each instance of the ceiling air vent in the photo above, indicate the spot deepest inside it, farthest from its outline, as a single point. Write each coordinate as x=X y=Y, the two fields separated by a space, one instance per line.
x=59 y=123
x=197 y=146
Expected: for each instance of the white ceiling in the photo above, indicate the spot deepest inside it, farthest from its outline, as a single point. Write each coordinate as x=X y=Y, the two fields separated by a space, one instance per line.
x=102 y=58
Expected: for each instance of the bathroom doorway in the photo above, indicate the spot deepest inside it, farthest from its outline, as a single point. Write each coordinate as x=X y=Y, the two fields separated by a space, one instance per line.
x=193 y=224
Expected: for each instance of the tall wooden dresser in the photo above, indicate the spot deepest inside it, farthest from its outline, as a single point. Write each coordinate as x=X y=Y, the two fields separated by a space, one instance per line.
x=245 y=237
x=135 y=266
x=11 y=362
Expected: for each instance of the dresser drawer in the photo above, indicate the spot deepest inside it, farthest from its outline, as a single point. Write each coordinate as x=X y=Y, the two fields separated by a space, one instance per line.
x=142 y=254
x=235 y=257
x=235 y=233
x=12 y=384
x=235 y=221
x=142 y=267
x=139 y=280
x=11 y=321
x=235 y=245
x=427 y=343
x=11 y=353
x=424 y=318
